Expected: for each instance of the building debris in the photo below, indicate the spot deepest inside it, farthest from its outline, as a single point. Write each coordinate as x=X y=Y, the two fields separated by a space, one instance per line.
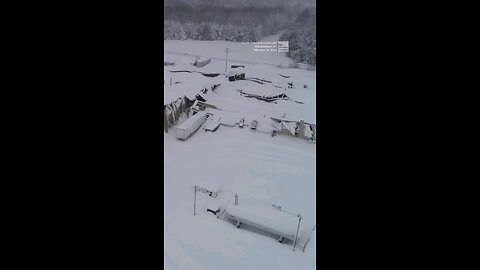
x=241 y=123
x=202 y=63
x=189 y=71
x=173 y=110
x=212 y=124
x=298 y=129
x=267 y=98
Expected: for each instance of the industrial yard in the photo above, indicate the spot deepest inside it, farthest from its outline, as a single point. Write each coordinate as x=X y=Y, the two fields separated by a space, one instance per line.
x=248 y=126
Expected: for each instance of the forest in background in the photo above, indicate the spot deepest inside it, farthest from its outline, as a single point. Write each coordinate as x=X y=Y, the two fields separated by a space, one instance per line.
x=302 y=39
x=206 y=22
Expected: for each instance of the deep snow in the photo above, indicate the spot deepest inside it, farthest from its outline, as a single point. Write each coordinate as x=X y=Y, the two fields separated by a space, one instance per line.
x=263 y=170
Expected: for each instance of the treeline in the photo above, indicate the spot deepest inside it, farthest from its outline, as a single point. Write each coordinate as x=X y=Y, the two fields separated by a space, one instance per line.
x=244 y=24
x=225 y=23
x=211 y=31
x=301 y=37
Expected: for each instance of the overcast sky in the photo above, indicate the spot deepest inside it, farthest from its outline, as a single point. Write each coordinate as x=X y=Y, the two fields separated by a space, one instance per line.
x=242 y=2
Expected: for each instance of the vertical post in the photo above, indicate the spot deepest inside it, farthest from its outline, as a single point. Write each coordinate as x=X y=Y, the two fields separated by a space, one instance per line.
x=295 y=243
x=226 y=59
x=236 y=199
x=170 y=80
x=194 y=199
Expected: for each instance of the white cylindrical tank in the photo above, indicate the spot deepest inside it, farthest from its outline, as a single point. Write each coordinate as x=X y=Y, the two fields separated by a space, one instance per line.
x=191 y=125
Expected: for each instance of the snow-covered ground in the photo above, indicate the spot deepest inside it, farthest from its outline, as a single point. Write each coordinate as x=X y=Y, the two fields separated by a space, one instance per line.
x=239 y=52
x=261 y=169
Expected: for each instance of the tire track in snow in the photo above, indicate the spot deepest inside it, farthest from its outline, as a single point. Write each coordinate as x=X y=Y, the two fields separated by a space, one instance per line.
x=176 y=254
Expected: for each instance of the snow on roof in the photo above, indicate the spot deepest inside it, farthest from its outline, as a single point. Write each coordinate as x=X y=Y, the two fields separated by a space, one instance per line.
x=236 y=71
x=212 y=123
x=258 y=89
x=190 y=85
x=190 y=121
x=278 y=221
x=293 y=116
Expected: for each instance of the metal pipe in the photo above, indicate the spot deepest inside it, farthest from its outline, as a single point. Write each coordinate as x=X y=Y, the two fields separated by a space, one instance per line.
x=295 y=243
x=194 y=199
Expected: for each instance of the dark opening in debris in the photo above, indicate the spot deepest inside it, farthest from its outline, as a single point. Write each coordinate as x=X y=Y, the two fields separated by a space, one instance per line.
x=199 y=97
x=267 y=98
x=204 y=74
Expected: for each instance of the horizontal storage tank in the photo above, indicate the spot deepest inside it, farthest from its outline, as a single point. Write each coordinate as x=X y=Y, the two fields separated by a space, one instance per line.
x=190 y=125
x=266 y=219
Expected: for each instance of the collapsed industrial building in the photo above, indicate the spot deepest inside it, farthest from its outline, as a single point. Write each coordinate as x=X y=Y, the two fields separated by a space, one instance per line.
x=298 y=129
x=173 y=110
x=198 y=112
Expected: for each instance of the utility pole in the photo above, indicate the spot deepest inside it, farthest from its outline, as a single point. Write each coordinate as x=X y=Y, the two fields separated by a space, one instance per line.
x=296 y=236
x=226 y=59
